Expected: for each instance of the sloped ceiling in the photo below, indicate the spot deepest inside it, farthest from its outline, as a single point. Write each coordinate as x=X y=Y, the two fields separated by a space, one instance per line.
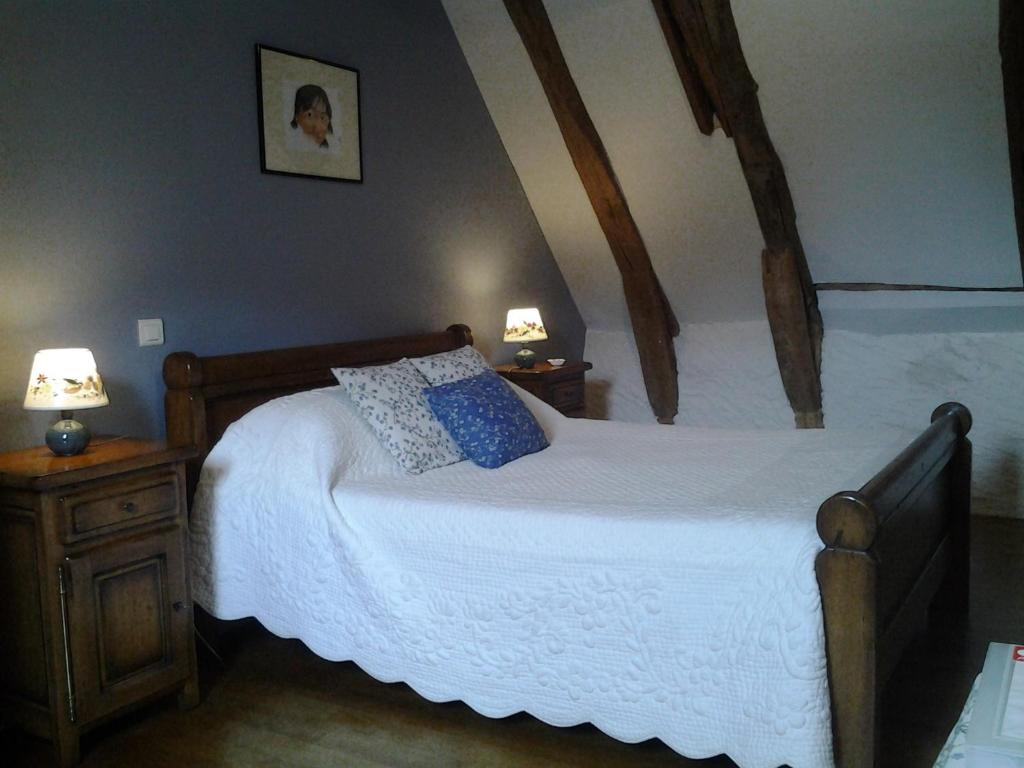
x=888 y=118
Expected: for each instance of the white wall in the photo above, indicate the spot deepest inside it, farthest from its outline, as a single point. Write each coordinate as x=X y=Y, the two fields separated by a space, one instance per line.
x=887 y=360
x=728 y=377
x=889 y=120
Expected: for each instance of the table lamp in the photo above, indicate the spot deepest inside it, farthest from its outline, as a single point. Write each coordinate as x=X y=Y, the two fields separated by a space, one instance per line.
x=65 y=380
x=523 y=326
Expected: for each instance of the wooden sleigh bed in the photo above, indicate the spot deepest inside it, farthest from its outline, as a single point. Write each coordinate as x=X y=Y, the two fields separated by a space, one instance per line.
x=893 y=550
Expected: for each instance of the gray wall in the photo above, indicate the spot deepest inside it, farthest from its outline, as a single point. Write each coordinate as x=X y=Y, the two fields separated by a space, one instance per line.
x=131 y=188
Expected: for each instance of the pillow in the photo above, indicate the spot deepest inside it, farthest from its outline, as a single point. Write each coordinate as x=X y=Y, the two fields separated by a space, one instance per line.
x=390 y=398
x=446 y=367
x=488 y=421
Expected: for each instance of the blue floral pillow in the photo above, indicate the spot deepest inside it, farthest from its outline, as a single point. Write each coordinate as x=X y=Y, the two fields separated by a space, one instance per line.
x=486 y=419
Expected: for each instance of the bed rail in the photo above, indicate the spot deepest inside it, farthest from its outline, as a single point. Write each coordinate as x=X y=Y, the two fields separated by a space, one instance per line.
x=892 y=549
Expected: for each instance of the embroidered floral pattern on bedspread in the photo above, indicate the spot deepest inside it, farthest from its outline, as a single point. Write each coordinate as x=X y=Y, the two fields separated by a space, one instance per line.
x=605 y=641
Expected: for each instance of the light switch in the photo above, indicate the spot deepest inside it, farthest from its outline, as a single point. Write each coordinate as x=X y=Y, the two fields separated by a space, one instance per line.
x=151 y=332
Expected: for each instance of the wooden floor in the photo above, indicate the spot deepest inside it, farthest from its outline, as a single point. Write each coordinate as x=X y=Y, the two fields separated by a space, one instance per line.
x=273 y=703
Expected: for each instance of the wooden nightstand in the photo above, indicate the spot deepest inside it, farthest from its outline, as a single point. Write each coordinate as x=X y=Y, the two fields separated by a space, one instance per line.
x=560 y=387
x=96 y=614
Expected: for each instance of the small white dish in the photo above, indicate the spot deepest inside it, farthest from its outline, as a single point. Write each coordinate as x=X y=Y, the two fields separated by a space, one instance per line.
x=557 y=362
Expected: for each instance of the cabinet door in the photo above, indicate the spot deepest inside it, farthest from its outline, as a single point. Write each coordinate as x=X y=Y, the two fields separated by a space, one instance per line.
x=128 y=616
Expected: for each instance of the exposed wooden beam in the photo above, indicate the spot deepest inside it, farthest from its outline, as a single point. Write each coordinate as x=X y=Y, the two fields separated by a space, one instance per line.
x=708 y=33
x=780 y=275
x=654 y=323
x=1011 y=49
x=700 y=102
x=699 y=48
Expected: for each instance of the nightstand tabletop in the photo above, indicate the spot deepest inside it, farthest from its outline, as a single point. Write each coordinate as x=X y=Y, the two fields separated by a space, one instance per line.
x=545 y=369
x=39 y=469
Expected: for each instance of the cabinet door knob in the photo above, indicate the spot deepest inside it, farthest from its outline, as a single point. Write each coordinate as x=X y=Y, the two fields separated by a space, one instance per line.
x=128 y=506
x=178 y=605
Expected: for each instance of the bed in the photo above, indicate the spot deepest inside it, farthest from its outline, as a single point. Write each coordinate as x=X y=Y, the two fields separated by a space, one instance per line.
x=887 y=555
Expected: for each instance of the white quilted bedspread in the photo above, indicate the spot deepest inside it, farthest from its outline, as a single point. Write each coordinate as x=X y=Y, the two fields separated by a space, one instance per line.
x=654 y=581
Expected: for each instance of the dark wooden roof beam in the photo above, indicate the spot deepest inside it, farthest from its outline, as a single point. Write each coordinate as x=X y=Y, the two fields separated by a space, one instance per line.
x=711 y=41
x=654 y=323
x=700 y=102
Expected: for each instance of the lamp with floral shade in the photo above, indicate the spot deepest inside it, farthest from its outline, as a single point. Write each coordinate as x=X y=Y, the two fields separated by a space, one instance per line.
x=65 y=380
x=523 y=326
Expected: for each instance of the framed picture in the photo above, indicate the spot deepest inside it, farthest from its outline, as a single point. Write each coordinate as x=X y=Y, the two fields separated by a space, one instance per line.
x=309 y=116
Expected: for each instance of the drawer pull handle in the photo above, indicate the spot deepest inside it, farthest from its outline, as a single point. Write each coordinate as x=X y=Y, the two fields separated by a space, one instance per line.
x=129 y=507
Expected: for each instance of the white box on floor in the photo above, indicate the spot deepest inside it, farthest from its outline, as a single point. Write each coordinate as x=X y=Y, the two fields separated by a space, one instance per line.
x=995 y=736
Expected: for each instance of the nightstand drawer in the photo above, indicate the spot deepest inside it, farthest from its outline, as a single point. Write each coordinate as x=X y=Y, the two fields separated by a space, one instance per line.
x=560 y=387
x=567 y=394
x=114 y=505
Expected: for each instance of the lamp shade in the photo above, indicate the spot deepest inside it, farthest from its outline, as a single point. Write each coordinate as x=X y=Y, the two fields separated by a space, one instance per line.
x=524 y=325
x=64 y=380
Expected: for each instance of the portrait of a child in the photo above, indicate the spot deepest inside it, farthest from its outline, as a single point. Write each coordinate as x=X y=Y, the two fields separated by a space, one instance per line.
x=313 y=115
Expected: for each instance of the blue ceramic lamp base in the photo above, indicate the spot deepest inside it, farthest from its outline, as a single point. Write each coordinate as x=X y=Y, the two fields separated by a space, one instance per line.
x=525 y=357
x=67 y=437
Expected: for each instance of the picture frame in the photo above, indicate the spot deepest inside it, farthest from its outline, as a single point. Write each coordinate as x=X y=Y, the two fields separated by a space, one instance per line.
x=308 y=115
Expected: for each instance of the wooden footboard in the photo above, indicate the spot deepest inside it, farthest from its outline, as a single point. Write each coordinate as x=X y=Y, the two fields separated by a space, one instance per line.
x=892 y=549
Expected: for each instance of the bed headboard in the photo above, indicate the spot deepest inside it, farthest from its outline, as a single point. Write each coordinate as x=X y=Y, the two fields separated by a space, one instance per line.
x=206 y=394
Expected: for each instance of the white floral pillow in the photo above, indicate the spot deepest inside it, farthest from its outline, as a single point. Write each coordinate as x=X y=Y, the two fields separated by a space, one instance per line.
x=390 y=398
x=446 y=367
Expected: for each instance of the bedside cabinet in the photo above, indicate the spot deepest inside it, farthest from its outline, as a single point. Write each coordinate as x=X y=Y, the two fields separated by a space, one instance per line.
x=96 y=615
x=560 y=387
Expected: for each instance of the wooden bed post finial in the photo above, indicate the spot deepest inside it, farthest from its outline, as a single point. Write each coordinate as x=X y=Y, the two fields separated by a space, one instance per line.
x=962 y=413
x=462 y=334
x=182 y=370
x=847 y=521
